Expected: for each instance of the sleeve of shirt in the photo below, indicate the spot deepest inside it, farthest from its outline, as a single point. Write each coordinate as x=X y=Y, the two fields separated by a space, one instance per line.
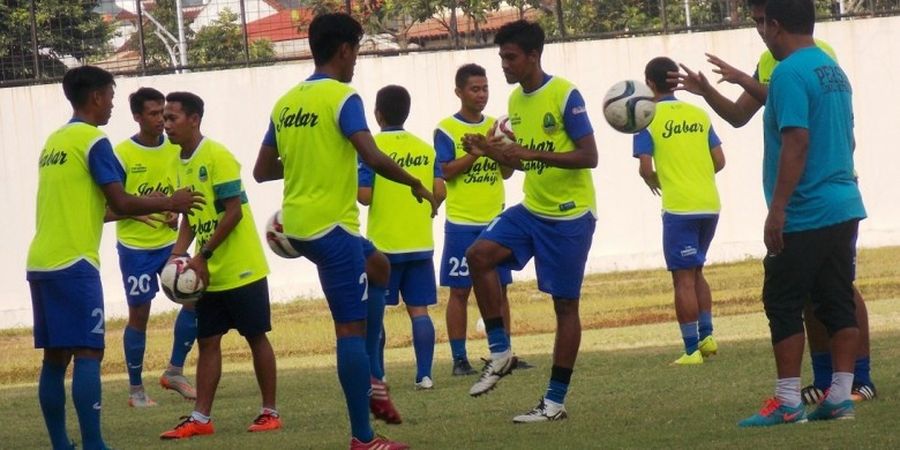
x=352 y=118
x=365 y=174
x=438 y=173
x=104 y=166
x=226 y=177
x=789 y=100
x=642 y=144
x=575 y=117
x=269 y=139
x=444 y=147
x=714 y=140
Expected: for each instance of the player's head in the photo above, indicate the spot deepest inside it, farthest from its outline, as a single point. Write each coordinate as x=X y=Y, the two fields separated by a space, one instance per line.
x=657 y=73
x=757 y=10
x=147 y=109
x=472 y=87
x=392 y=106
x=521 y=44
x=334 y=40
x=787 y=20
x=90 y=90
x=183 y=114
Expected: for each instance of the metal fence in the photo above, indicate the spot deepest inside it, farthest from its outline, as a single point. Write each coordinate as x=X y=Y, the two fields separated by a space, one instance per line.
x=40 y=39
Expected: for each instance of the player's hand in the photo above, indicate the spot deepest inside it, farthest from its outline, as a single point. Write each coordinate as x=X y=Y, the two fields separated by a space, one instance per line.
x=171 y=219
x=151 y=220
x=773 y=231
x=653 y=184
x=688 y=80
x=421 y=193
x=201 y=268
x=727 y=71
x=185 y=201
x=475 y=144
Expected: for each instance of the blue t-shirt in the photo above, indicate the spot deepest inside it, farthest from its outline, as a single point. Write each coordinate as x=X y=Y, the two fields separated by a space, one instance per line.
x=809 y=90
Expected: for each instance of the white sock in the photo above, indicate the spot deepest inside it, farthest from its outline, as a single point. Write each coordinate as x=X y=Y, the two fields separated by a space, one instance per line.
x=501 y=355
x=787 y=391
x=841 y=385
x=199 y=417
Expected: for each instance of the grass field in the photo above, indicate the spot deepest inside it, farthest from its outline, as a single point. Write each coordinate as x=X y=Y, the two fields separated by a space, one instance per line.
x=624 y=393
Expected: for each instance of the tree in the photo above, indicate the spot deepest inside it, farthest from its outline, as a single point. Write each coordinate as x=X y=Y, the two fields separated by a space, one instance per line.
x=65 y=29
x=223 y=42
x=159 y=49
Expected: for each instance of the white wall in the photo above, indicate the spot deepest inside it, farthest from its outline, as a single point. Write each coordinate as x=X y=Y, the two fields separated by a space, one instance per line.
x=628 y=231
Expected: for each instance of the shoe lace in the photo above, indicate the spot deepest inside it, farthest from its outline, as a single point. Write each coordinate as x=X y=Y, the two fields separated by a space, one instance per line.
x=263 y=418
x=487 y=369
x=540 y=409
x=769 y=406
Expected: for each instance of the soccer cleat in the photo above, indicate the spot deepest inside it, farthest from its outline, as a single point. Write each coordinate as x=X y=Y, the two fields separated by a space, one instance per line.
x=774 y=413
x=379 y=443
x=461 y=367
x=833 y=411
x=265 y=422
x=689 y=360
x=521 y=364
x=863 y=392
x=381 y=405
x=140 y=399
x=179 y=384
x=708 y=346
x=188 y=428
x=811 y=395
x=492 y=372
x=425 y=384
x=543 y=412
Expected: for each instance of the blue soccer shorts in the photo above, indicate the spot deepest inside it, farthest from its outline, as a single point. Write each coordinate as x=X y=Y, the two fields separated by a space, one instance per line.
x=68 y=307
x=140 y=270
x=454 y=267
x=414 y=281
x=686 y=239
x=559 y=247
x=338 y=256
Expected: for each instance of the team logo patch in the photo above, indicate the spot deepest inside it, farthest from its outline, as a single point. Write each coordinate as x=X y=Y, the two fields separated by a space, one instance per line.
x=550 y=124
x=202 y=174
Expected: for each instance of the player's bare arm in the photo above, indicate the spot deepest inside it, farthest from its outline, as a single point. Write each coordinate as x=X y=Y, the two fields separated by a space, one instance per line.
x=364 y=196
x=737 y=113
x=386 y=167
x=729 y=73
x=718 y=157
x=584 y=156
x=230 y=219
x=452 y=169
x=479 y=145
x=268 y=165
x=794 y=147
x=645 y=170
x=440 y=190
x=185 y=237
x=122 y=203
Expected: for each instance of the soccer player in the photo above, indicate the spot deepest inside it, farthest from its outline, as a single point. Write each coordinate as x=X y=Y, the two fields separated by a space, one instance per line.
x=475 y=196
x=316 y=131
x=229 y=259
x=150 y=164
x=400 y=226
x=738 y=113
x=78 y=176
x=686 y=152
x=555 y=223
x=814 y=211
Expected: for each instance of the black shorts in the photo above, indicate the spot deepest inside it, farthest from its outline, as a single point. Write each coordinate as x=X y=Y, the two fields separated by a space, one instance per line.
x=244 y=308
x=815 y=265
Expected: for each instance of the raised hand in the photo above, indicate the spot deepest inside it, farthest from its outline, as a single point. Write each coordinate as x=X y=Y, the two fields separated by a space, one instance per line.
x=727 y=71
x=688 y=80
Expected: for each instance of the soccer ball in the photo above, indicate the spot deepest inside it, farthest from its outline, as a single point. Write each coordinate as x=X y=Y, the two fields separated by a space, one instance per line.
x=503 y=129
x=180 y=283
x=628 y=106
x=277 y=240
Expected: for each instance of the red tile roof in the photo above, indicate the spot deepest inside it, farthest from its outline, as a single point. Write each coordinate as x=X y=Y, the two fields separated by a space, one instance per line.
x=281 y=26
x=434 y=29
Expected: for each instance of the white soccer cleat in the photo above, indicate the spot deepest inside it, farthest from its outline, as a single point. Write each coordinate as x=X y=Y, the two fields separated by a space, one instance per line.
x=492 y=372
x=544 y=412
x=140 y=399
x=425 y=384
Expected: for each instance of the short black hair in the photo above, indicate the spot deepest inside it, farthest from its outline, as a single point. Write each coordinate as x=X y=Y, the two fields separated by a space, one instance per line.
x=527 y=35
x=190 y=103
x=137 y=98
x=328 y=31
x=467 y=71
x=657 y=71
x=795 y=16
x=392 y=102
x=80 y=82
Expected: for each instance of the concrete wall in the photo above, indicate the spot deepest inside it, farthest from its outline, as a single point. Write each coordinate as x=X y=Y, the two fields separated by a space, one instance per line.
x=628 y=231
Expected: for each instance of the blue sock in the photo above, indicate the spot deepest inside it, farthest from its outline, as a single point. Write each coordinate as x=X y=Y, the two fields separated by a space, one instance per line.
x=135 y=342
x=704 y=325
x=821 y=364
x=861 y=373
x=690 y=336
x=381 y=352
x=458 y=349
x=423 y=344
x=52 y=397
x=559 y=384
x=498 y=340
x=374 y=328
x=185 y=335
x=353 y=372
x=86 y=397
